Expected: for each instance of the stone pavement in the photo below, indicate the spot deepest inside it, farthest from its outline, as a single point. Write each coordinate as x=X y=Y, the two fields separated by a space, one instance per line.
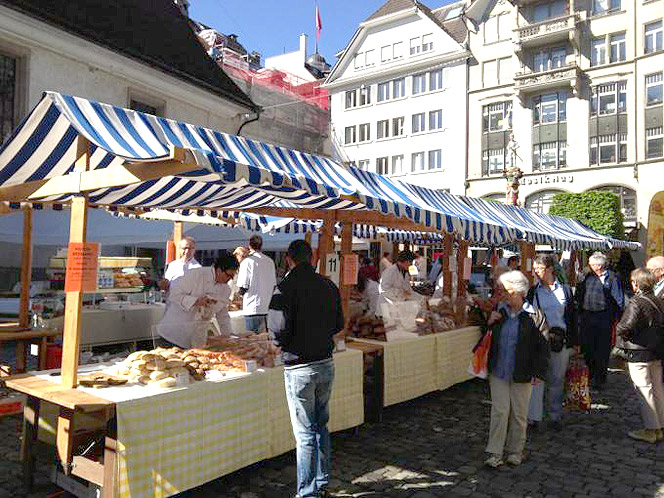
x=434 y=446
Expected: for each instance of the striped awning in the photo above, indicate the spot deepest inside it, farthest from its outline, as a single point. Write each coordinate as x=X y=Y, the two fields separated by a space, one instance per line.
x=235 y=173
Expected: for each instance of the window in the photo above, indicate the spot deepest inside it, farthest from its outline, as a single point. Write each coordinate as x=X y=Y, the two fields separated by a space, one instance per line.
x=627 y=198
x=363 y=164
x=549 y=10
x=381 y=166
x=364 y=132
x=605 y=6
x=365 y=95
x=490 y=72
x=417 y=162
x=609 y=99
x=541 y=201
x=8 y=88
x=370 y=57
x=549 y=155
x=427 y=42
x=654 y=89
x=493 y=161
x=598 y=52
x=349 y=135
x=386 y=53
x=497 y=117
x=383 y=91
x=654 y=141
x=397 y=165
x=383 y=128
x=351 y=99
x=504 y=70
x=550 y=108
x=436 y=119
x=418 y=122
x=419 y=83
x=399 y=88
x=617 y=47
x=653 y=42
x=397 y=50
x=435 y=159
x=436 y=80
x=497 y=28
x=549 y=59
x=397 y=126
x=415 y=46
x=358 y=61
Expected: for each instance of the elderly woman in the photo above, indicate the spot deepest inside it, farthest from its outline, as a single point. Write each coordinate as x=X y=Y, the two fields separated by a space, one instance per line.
x=519 y=353
x=641 y=332
x=600 y=300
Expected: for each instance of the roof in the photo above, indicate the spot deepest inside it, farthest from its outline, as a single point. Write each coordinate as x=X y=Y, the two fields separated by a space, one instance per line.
x=392 y=7
x=153 y=32
x=450 y=17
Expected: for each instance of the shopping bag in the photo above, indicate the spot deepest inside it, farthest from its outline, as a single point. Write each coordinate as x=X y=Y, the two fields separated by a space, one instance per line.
x=479 y=361
x=577 y=385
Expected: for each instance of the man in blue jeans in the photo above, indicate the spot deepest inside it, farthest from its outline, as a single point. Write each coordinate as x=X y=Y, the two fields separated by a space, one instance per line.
x=304 y=314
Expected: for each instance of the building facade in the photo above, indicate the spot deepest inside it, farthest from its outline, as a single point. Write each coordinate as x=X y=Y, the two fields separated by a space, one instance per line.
x=398 y=95
x=571 y=92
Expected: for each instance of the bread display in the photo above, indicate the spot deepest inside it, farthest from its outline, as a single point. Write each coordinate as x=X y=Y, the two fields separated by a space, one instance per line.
x=367 y=327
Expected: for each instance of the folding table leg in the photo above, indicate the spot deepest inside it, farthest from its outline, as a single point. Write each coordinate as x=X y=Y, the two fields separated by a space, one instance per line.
x=110 y=458
x=30 y=432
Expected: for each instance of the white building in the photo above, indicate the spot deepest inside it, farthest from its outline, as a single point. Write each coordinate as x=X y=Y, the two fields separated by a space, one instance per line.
x=579 y=85
x=398 y=95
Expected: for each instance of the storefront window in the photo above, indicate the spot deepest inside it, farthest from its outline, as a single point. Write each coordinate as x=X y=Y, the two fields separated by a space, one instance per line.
x=541 y=201
x=627 y=198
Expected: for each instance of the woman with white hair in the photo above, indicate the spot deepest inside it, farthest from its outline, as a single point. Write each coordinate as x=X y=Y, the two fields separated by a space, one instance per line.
x=519 y=353
x=600 y=301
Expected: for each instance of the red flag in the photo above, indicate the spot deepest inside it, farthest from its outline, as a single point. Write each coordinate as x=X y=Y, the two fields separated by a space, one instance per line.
x=319 y=24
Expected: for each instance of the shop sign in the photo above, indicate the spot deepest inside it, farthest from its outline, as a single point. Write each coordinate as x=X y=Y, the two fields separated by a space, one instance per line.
x=82 y=267
x=547 y=179
x=351 y=268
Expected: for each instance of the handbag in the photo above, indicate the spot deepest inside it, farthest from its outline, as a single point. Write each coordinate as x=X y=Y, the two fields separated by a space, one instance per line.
x=577 y=385
x=479 y=361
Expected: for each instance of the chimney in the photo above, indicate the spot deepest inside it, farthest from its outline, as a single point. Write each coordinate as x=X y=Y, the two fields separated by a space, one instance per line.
x=303 y=45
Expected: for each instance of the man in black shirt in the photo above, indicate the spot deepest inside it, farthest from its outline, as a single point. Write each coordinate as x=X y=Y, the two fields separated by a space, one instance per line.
x=305 y=313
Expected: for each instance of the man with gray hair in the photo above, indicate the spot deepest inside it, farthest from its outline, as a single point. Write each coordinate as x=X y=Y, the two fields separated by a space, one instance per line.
x=600 y=302
x=656 y=266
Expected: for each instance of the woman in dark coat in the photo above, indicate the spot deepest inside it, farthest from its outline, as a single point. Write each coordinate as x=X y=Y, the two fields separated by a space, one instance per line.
x=640 y=329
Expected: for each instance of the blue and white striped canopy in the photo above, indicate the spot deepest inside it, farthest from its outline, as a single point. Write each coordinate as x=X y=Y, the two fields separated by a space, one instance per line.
x=235 y=173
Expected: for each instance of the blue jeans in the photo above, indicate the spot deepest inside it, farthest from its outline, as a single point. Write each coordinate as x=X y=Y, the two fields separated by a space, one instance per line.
x=255 y=323
x=555 y=379
x=308 y=389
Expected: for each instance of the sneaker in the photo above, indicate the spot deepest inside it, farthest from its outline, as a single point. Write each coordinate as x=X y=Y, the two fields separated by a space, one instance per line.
x=660 y=435
x=647 y=435
x=514 y=459
x=494 y=461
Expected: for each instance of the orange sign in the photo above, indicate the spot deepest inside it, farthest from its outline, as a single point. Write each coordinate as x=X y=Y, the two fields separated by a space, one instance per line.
x=351 y=267
x=82 y=265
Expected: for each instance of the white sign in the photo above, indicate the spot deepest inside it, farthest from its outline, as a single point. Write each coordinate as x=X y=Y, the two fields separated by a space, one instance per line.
x=332 y=267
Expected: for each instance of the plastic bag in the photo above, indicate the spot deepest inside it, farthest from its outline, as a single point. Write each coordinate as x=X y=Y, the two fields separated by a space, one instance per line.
x=577 y=385
x=479 y=361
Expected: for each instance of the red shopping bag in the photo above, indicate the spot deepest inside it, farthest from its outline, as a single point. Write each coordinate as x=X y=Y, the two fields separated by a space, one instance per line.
x=577 y=385
x=479 y=361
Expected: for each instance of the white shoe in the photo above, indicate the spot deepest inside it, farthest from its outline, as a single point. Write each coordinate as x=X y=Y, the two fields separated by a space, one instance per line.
x=514 y=459
x=494 y=461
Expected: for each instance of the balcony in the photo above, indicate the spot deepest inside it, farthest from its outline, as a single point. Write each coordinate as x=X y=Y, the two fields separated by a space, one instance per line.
x=560 y=77
x=551 y=31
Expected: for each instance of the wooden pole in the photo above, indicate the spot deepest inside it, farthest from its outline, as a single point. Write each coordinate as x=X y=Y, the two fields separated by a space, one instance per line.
x=71 y=335
x=462 y=284
x=307 y=237
x=527 y=250
x=26 y=268
x=447 y=274
x=346 y=248
x=178 y=228
x=325 y=243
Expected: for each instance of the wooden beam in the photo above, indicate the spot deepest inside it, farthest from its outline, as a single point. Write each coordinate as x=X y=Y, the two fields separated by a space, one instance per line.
x=448 y=250
x=308 y=236
x=462 y=284
x=64 y=442
x=178 y=229
x=346 y=248
x=26 y=268
x=325 y=244
x=71 y=335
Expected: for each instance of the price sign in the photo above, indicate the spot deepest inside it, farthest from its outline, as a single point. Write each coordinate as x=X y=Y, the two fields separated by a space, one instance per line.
x=82 y=266
x=332 y=267
x=351 y=267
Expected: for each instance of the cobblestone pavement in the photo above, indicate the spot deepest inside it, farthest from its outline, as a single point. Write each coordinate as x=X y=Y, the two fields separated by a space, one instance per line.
x=434 y=446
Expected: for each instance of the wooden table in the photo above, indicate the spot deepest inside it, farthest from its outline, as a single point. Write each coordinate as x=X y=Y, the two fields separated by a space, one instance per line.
x=77 y=409
x=374 y=382
x=25 y=336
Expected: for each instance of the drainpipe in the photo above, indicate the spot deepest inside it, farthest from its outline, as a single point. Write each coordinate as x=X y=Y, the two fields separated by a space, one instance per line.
x=466 y=183
x=258 y=115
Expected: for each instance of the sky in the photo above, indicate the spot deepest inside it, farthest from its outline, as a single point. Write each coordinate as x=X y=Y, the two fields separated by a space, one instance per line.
x=272 y=27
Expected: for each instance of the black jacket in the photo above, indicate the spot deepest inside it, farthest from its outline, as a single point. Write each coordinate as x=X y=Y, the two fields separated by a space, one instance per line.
x=612 y=293
x=305 y=312
x=634 y=327
x=532 y=349
x=571 y=315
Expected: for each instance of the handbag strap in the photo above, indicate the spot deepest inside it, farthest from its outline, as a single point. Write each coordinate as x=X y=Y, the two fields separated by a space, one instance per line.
x=659 y=310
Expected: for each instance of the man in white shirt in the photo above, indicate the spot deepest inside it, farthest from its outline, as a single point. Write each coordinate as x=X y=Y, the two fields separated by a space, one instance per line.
x=256 y=281
x=385 y=262
x=201 y=294
x=656 y=266
x=178 y=267
x=395 y=282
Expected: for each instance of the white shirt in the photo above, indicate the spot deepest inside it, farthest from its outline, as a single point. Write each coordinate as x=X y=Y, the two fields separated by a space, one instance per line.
x=385 y=263
x=258 y=275
x=177 y=268
x=421 y=265
x=185 y=324
x=371 y=294
x=394 y=286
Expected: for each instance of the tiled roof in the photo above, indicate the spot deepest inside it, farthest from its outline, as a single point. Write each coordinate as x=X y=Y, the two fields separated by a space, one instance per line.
x=153 y=32
x=392 y=7
x=455 y=26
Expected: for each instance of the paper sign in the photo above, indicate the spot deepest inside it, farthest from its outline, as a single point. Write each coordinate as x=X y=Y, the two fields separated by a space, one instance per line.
x=351 y=267
x=467 y=268
x=332 y=267
x=453 y=263
x=529 y=264
x=82 y=265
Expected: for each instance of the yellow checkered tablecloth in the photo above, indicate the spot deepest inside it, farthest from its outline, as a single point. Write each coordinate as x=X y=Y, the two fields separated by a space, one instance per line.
x=453 y=351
